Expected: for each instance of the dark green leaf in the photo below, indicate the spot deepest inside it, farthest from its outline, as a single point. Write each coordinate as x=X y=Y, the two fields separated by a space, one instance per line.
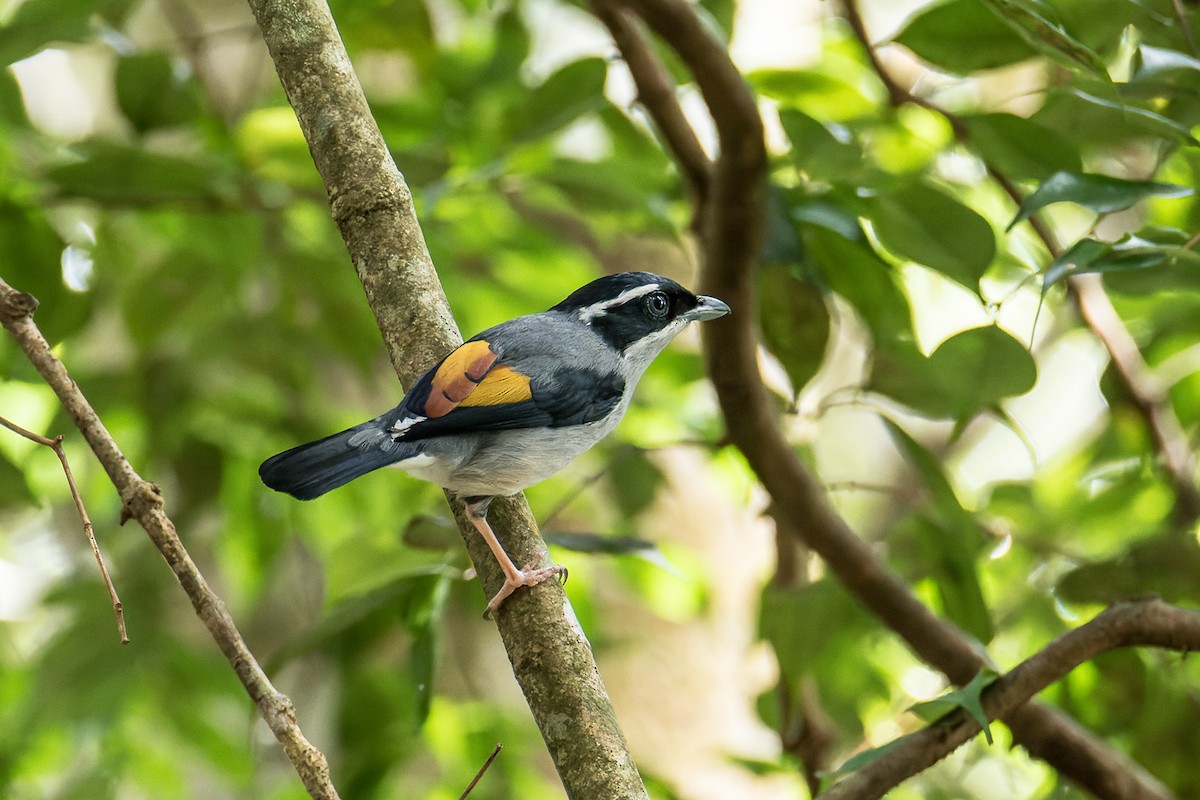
x=122 y=175
x=963 y=36
x=968 y=698
x=968 y=372
x=1021 y=148
x=1142 y=118
x=1100 y=193
x=855 y=272
x=151 y=95
x=635 y=481
x=561 y=99
x=924 y=224
x=1048 y=37
x=823 y=152
x=1161 y=72
x=949 y=541
x=794 y=321
x=859 y=760
x=599 y=544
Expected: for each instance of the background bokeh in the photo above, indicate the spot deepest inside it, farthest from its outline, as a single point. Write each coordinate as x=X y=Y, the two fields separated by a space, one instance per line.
x=157 y=197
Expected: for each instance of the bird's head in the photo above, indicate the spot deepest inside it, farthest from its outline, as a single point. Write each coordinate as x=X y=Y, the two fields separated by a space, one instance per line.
x=638 y=313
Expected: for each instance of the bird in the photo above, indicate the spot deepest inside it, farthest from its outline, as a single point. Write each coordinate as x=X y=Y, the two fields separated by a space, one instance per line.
x=511 y=406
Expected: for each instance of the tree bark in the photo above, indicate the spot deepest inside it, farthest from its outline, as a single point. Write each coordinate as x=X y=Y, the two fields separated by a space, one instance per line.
x=372 y=207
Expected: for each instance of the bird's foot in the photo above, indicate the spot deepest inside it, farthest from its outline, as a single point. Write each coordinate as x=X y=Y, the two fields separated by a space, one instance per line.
x=526 y=577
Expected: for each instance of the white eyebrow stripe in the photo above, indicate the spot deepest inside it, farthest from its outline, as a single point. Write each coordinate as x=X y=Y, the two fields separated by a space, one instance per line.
x=600 y=309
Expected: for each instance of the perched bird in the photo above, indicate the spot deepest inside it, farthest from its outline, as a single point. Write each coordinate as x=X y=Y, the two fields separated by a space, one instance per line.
x=511 y=406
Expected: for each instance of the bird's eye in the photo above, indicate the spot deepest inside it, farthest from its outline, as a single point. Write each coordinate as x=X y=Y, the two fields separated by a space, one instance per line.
x=657 y=304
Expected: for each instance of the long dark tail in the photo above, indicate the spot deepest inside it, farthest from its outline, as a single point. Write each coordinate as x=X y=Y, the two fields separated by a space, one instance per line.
x=310 y=470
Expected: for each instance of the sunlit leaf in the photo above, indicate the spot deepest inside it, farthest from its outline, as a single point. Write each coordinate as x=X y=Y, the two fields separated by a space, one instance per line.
x=963 y=36
x=1100 y=193
x=968 y=698
x=968 y=372
x=928 y=226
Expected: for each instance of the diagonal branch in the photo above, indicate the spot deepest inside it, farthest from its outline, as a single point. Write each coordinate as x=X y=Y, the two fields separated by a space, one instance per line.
x=732 y=238
x=656 y=92
x=372 y=206
x=143 y=502
x=1147 y=623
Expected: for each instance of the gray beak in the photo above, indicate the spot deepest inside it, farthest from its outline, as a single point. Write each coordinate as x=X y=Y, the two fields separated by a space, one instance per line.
x=706 y=308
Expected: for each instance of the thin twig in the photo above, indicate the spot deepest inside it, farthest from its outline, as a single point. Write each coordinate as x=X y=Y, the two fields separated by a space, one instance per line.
x=55 y=444
x=470 y=786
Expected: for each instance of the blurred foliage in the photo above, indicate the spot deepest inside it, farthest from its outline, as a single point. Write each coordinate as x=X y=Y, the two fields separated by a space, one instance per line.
x=189 y=275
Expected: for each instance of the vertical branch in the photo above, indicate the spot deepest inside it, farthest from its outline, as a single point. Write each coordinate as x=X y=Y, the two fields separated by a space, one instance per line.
x=372 y=207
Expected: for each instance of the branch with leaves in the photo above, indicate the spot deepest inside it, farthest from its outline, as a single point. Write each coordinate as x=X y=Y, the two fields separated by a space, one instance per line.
x=731 y=233
x=1138 y=623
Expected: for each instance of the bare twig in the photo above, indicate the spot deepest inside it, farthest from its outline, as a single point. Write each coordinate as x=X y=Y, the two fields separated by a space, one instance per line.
x=143 y=502
x=55 y=444
x=1149 y=622
x=486 y=764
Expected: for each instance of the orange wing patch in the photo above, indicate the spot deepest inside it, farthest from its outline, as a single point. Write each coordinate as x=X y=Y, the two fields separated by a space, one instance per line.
x=502 y=385
x=458 y=377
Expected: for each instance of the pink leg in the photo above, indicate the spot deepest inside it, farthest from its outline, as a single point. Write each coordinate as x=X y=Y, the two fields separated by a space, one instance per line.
x=513 y=578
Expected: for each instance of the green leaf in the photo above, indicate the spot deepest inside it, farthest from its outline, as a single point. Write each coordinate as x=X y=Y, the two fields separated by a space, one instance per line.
x=150 y=94
x=794 y=321
x=924 y=224
x=1021 y=148
x=855 y=272
x=970 y=371
x=968 y=698
x=949 y=540
x=829 y=97
x=1046 y=36
x=1100 y=193
x=1142 y=118
x=573 y=91
x=963 y=36
x=1160 y=70
x=820 y=151
x=1158 y=258
x=113 y=173
x=859 y=760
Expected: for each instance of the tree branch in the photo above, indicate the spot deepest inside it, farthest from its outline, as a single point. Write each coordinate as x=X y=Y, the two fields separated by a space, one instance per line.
x=143 y=502
x=1151 y=623
x=656 y=93
x=733 y=234
x=372 y=206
